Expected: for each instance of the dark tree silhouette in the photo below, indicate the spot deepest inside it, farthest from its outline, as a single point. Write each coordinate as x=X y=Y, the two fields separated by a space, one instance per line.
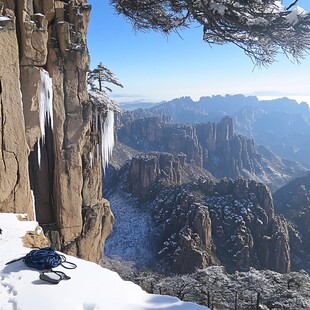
x=262 y=28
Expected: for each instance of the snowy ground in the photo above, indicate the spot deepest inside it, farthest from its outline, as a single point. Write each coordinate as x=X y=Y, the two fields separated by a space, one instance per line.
x=90 y=287
x=133 y=233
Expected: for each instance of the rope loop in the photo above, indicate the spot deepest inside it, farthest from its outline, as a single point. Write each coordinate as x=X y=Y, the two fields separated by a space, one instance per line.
x=46 y=259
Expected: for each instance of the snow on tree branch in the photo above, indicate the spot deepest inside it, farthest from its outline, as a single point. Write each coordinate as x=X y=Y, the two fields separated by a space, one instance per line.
x=101 y=75
x=262 y=28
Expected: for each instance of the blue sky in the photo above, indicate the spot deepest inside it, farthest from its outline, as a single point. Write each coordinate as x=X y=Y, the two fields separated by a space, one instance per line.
x=154 y=67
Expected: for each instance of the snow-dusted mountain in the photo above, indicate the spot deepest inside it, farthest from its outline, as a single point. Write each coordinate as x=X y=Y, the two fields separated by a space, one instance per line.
x=281 y=124
x=135 y=236
x=215 y=147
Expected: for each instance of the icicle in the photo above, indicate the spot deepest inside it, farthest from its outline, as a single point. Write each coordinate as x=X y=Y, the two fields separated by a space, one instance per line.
x=107 y=138
x=45 y=107
x=45 y=101
x=91 y=159
x=21 y=98
x=39 y=153
x=97 y=150
x=33 y=205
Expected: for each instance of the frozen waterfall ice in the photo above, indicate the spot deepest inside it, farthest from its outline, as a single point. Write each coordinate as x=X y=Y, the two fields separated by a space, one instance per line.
x=45 y=107
x=107 y=138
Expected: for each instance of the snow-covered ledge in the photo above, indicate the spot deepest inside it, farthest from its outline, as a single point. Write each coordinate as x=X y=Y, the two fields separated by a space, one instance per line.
x=90 y=286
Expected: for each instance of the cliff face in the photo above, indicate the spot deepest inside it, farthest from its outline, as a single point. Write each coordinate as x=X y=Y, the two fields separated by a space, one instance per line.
x=293 y=201
x=231 y=223
x=144 y=171
x=47 y=134
x=213 y=146
x=14 y=181
x=205 y=222
x=147 y=172
x=281 y=124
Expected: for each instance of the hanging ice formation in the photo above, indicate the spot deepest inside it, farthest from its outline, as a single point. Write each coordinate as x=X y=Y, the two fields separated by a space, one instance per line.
x=33 y=205
x=45 y=106
x=102 y=127
x=107 y=138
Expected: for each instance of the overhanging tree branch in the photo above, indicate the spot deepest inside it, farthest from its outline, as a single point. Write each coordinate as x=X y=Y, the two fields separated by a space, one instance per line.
x=261 y=28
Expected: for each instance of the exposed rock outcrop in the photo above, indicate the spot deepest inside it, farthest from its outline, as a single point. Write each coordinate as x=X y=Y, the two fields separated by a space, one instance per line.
x=281 y=124
x=146 y=170
x=231 y=223
x=186 y=233
x=293 y=201
x=213 y=146
x=46 y=124
x=15 y=193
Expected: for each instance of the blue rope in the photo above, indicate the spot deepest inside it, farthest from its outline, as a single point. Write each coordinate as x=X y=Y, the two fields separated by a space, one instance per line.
x=43 y=259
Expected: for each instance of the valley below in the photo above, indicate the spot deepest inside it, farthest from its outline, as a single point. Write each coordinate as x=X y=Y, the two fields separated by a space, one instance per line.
x=197 y=202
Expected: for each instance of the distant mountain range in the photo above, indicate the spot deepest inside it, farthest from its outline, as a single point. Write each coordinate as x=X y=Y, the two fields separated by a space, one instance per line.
x=281 y=124
x=173 y=214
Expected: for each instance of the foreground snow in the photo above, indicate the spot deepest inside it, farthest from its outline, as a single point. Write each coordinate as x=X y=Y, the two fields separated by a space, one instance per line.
x=90 y=287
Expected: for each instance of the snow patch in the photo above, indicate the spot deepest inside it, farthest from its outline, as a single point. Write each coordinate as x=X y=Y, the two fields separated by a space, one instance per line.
x=3 y=18
x=294 y=16
x=218 y=8
x=132 y=238
x=33 y=205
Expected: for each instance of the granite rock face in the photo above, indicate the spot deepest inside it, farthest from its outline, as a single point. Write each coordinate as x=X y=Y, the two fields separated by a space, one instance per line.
x=206 y=222
x=47 y=151
x=146 y=170
x=213 y=146
x=231 y=223
x=15 y=193
x=293 y=202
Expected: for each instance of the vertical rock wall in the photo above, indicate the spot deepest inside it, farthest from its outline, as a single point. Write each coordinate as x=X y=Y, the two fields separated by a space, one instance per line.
x=15 y=193
x=50 y=35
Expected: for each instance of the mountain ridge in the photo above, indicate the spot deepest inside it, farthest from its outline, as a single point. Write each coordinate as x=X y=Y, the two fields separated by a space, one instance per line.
x=281 y=124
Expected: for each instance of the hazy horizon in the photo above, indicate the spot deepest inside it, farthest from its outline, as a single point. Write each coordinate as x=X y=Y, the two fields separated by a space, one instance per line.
x=154 y=67
x=298 y=98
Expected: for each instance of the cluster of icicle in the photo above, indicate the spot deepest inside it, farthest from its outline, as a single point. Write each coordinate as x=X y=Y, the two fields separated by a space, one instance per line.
x=107 y=138
x=104 y=124
x=45 y=107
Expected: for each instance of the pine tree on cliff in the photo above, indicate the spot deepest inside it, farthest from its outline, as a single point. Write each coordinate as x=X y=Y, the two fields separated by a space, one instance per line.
x=262 y=28
x=98 y=77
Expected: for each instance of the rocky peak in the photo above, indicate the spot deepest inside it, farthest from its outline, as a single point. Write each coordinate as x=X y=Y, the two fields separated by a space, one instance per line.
x=147 y=169
x=292 y=201
x=231 y=223
x=212 y=146
x=301 y=198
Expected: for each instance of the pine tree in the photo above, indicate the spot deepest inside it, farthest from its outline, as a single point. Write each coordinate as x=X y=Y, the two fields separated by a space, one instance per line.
x=101 y=75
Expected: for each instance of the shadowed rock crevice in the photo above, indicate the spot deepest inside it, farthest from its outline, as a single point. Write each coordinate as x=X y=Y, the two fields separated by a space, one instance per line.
x=41 y=179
